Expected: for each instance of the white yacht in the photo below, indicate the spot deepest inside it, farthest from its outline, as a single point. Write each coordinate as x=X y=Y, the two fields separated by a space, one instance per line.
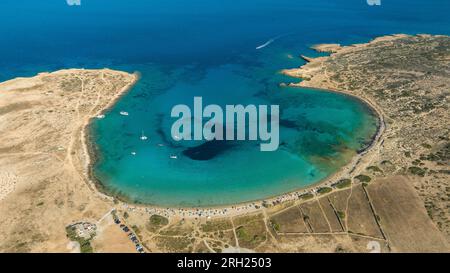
x=143 y=137
x=123 y=113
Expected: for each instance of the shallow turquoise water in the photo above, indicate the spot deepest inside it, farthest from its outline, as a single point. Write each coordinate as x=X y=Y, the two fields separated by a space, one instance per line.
x=208 y=48
x=318 y=125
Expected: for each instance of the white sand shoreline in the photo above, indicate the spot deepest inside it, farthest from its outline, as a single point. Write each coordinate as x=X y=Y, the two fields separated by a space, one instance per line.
x=243 y=207
x=194 y=212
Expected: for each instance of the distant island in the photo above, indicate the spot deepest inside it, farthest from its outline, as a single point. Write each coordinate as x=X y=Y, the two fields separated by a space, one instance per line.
x=394 y=194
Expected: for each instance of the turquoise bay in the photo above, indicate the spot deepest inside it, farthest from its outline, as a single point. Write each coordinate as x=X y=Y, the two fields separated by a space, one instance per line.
x=318 y=130
x=208 y=48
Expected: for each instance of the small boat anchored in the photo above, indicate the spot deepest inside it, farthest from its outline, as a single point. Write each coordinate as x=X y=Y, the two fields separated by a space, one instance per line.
x=173 y=157
x=100 y=116
x=143 y=137
x=123 y=113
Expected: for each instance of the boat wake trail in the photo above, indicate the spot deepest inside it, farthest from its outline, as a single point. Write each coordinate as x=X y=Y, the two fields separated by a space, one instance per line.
x=270 y=41
x=265 y=44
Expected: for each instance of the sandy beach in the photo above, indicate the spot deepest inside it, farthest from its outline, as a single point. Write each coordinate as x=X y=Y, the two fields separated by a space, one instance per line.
x=46 y=180
x=84 y=168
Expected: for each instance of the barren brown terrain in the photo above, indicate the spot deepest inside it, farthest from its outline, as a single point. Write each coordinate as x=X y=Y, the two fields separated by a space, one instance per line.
x=43 y=159
x=408 y=79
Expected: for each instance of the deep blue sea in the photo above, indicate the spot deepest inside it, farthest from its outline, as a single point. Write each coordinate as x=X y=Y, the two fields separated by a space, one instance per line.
x=187 y=48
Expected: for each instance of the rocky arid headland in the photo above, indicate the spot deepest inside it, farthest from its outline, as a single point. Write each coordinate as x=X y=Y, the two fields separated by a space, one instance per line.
x=408 y=78
x=395 y=199
x=43 y=157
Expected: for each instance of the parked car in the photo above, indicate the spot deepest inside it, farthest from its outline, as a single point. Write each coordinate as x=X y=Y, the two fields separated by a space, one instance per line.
x=139 y=248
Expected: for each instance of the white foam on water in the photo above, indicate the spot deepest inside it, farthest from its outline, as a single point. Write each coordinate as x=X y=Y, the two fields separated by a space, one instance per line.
x=271 y=41
x=265 y=44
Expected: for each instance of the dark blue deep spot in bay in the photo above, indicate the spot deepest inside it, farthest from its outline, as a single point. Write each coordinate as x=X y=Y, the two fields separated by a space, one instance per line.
x=208 y=150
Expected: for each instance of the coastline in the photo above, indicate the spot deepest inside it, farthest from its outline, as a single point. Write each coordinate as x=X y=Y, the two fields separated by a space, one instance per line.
x=89 y=147
x=96 y=186
x=48 y=150
x=242 y=207
x=237 y=208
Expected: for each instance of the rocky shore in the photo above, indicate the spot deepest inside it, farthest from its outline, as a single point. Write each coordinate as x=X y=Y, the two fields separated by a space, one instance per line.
x=407 y=79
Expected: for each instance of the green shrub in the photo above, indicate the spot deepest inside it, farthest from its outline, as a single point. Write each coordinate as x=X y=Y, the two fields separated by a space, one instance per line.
x=85 y=244
x=324 y=190
x=374 y=169
x=416 y=171
x=343 y=183
x=275 y=225
x=363 y=178
x=306 y=196
x=158 y=220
